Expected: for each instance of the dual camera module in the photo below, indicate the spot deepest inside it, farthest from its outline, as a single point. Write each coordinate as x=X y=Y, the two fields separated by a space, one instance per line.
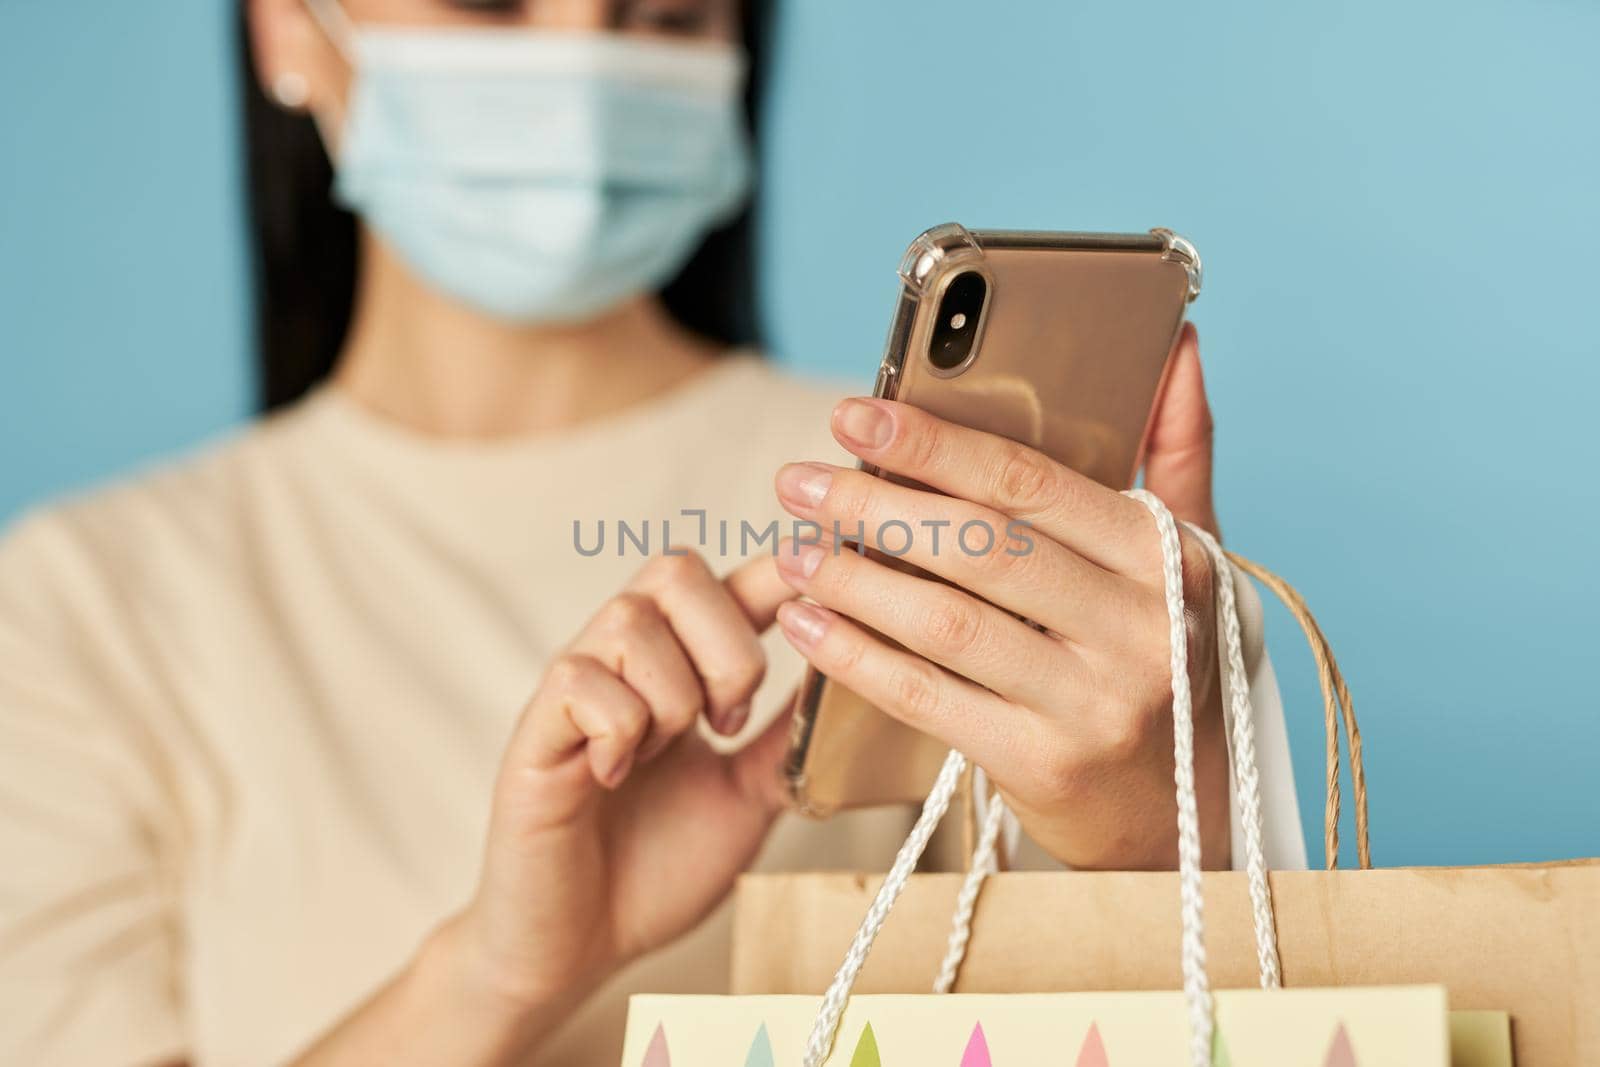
x=955 y=330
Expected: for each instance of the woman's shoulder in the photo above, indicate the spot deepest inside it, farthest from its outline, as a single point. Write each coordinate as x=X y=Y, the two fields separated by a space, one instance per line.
x=198 y=513
x=183 y=507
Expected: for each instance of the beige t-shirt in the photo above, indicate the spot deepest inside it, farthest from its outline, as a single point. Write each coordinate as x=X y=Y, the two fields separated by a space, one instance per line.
x=252 y=705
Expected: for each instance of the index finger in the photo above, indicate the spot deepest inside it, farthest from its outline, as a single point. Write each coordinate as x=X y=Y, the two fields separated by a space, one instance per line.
x=758 y=588
x=1023 y=483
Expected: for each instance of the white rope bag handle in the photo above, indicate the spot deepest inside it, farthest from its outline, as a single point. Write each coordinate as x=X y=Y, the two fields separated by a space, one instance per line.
x=996 y=821
x=1246 y=783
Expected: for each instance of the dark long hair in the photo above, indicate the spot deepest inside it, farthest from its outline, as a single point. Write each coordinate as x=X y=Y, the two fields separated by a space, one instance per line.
x=304 y=245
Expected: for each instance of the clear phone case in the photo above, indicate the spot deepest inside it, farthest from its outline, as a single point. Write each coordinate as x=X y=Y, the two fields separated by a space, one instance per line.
x=1068 y=354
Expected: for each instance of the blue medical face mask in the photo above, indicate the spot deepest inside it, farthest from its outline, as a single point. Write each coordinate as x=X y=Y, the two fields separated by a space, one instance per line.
x=540 y=176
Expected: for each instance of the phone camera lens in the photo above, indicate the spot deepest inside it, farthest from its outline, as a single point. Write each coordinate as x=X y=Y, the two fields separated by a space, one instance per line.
x=955 y=327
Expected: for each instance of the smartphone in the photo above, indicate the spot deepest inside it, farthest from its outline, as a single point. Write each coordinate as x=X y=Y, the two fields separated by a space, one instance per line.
x=1060 y=341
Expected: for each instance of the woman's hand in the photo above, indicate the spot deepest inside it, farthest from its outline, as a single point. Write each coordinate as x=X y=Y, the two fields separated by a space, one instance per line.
x=615 y=827
x=1073 y=724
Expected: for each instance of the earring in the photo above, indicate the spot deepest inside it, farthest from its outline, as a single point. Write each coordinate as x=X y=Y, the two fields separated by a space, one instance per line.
x=291 y=90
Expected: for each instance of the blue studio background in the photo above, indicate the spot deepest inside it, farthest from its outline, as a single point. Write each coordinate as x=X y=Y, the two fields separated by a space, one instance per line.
x=1396 y=204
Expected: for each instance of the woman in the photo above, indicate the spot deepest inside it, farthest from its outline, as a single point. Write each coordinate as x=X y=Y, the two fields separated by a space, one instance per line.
x=272 y=788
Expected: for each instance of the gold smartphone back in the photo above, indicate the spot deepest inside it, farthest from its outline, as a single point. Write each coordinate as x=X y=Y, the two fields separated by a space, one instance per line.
x=1068 y=354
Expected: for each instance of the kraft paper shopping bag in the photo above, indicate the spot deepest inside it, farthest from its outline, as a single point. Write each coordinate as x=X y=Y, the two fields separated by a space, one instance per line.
x=1523 y=939
x=1518 y=939
x=1317 y=1027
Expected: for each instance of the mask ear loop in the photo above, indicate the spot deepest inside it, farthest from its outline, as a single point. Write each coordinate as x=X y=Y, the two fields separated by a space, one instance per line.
x=340 y=30
x=336 y=23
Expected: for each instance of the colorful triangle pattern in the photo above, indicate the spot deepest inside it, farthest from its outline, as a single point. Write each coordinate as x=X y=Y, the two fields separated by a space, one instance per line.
x=866 y=1054
x=1092 y=1053
x=1340 y=1052
x=656 y=1054
x=977 y=1054
x=760 y=1054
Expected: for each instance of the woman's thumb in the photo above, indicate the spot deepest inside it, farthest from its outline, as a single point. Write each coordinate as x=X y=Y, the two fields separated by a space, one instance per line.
x=1177 y=466
x=758 y=767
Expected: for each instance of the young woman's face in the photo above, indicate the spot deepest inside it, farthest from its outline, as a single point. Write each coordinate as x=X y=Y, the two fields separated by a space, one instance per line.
x=289 y=41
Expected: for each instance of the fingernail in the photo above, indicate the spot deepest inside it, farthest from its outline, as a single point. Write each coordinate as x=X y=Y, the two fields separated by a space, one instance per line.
x=733 y=720
x=619 y=771
x=800 y=562
x=804 y=484
x=654 y=743
x=804 y=624
x=863 y=423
